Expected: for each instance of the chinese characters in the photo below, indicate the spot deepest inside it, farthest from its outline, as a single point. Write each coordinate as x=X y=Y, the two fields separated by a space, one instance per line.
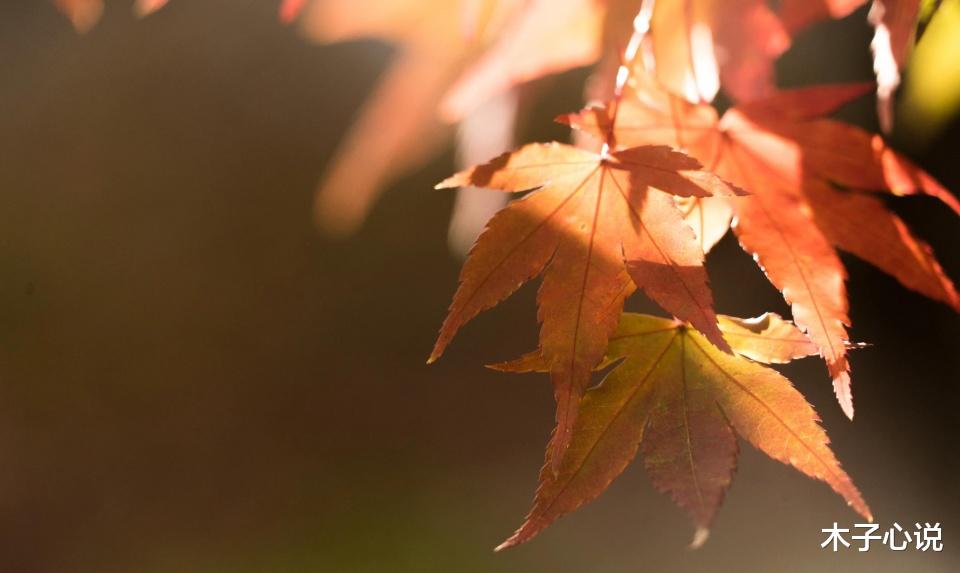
x=924 y=537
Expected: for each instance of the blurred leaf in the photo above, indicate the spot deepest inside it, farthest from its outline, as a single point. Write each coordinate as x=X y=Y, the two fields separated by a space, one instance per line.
x=895 y=23
x=459 y=53
x=931 y=96
x=85 y=14
x=482 y=134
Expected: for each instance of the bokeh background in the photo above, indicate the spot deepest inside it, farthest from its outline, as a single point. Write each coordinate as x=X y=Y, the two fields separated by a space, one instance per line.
x=194 y=379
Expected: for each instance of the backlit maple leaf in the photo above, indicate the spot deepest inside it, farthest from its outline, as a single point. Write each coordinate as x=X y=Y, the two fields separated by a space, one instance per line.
x=681 y=402
x=791 y=162
x=597 y=225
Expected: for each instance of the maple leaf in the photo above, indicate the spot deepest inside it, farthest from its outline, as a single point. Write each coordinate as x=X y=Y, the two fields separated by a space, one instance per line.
x=596 y=226
x=791 y=161
x=85 y=14
x=681 y=402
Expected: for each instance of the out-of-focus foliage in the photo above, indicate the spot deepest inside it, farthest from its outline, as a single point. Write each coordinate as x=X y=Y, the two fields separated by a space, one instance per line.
x=931 y=95
x=85 y=14
x=452 y=60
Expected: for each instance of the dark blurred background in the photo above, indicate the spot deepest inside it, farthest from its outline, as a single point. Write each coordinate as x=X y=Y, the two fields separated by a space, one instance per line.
x=194 y=379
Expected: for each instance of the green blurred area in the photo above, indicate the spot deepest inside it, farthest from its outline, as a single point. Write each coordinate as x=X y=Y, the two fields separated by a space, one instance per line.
x=193 y=379
x=930 y=99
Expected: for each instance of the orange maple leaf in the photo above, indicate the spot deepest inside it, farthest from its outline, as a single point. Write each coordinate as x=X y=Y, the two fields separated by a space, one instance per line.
x=596 y=226
x=680 y=402
x=791 y=162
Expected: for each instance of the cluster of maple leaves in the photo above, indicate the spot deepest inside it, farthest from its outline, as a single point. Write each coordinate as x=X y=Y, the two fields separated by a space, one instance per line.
x=600 y=225
x=639 y=210
x=658 y=178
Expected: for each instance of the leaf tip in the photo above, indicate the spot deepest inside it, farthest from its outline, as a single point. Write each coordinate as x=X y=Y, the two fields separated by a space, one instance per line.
x=506 y=366
x=841 y=387
x=737 y=190
x=847 y=407
x=860 y=506
x=519 y=536
x=700 y=537
x=290 y=10
x=848 y=410
x=715 y=336
x=725 y=346
x=440 y=346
